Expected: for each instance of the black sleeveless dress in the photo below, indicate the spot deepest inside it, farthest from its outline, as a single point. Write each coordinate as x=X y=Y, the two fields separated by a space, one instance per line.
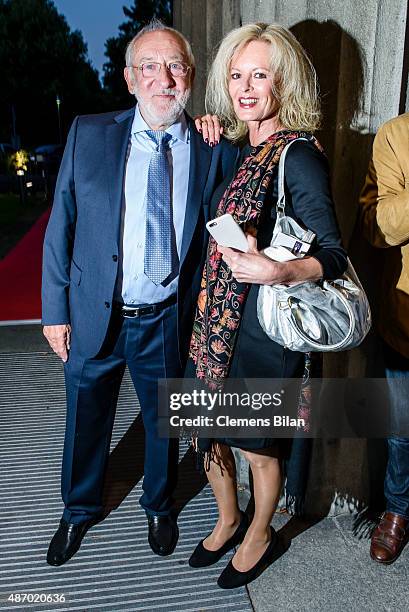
x=308 y=200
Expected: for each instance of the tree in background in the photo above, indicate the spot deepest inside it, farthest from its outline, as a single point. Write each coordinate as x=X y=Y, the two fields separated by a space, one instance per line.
x=41 y=58
x=138 y=16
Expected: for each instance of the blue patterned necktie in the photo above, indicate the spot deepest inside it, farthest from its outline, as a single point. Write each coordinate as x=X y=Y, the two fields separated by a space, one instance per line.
x=158 y=237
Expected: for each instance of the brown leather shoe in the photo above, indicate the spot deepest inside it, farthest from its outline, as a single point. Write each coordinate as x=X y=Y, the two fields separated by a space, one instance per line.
x=389 y=538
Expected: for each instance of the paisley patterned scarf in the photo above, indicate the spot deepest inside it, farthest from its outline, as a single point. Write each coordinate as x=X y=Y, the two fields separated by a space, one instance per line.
x=221 y=299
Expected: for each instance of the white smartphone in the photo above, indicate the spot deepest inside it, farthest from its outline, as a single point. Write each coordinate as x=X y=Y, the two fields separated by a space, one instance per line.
x=227 y=232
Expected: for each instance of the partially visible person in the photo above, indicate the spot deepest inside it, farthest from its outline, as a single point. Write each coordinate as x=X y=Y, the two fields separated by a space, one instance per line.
x=263 y=88
x=123 y=254
x=385 y=219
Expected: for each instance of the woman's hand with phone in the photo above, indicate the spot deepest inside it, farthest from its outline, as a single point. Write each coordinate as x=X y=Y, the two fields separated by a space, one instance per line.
x=255 y=267
x=250 y=267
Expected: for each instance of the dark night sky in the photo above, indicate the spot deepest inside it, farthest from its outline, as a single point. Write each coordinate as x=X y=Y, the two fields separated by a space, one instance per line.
x=97 y=20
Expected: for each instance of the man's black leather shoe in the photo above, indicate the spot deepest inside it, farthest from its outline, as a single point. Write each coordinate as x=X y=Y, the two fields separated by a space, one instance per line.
x=163 y=534
x=67 y=540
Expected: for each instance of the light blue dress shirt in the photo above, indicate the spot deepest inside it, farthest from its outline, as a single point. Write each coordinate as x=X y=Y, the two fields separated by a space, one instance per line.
x=133 y=286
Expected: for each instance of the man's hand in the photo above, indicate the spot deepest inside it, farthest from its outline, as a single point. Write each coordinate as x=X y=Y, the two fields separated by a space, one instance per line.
x=210 y=128
x=58 y=337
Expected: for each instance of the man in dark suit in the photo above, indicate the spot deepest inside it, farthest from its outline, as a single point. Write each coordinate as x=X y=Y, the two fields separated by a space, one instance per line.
x=122 y=262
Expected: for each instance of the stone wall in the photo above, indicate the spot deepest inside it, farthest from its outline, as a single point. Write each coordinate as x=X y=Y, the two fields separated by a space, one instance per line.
x=358 y=49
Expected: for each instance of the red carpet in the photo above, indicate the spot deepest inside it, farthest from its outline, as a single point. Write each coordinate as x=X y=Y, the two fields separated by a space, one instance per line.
x=20 y=276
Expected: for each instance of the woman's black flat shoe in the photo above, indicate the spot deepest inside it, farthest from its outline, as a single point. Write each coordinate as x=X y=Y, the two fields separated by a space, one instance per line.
x=201 y=557
x=230 y=578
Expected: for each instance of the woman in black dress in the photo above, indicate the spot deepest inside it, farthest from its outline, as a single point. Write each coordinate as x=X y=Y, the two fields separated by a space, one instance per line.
x=263 y=88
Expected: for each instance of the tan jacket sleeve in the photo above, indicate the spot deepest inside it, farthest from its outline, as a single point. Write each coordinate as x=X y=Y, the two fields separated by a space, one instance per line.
x=384 y=199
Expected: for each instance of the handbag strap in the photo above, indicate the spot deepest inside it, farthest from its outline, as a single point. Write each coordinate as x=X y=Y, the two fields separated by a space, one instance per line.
x=280 y=206
x=307 y=235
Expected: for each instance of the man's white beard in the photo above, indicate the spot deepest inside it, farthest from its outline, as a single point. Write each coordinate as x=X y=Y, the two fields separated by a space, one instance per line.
x=169 y=116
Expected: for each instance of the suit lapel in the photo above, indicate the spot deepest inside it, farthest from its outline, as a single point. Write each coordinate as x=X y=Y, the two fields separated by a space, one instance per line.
x=200 y=158
x=116 y=146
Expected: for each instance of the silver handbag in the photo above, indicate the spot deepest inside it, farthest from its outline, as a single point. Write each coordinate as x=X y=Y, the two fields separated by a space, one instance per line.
x=329 y=316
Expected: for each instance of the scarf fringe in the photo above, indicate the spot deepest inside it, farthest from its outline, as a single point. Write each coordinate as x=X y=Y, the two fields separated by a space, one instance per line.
x=294 y=505
x=365 y=522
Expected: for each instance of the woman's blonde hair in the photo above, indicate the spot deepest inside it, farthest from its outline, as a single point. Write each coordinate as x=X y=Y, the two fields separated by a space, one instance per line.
x=295 y=84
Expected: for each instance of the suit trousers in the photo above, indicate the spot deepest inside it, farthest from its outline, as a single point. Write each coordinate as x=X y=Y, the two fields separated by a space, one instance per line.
x=148 y=346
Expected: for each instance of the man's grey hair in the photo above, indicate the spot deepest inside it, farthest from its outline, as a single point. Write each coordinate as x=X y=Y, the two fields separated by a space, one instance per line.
x=156 y=25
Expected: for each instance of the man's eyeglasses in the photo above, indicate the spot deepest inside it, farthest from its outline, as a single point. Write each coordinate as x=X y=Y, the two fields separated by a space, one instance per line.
x=152 y=69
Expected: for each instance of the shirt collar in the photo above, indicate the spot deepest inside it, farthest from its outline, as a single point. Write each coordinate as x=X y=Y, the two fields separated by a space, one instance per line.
x=178 y=130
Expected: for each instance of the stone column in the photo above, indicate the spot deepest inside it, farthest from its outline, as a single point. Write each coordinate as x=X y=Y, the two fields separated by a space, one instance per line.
x=204 y=23
x=361 y=54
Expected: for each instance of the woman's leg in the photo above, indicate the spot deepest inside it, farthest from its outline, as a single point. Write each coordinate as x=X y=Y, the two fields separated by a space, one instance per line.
x=267 y=479
x=222 y=477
